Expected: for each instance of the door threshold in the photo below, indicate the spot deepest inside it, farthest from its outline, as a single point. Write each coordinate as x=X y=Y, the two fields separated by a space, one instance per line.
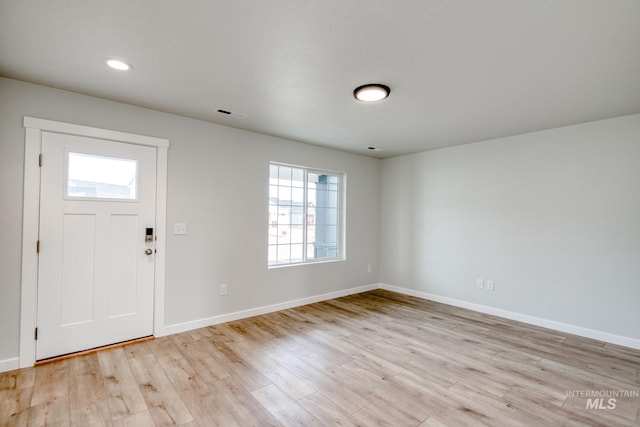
x=92 y=350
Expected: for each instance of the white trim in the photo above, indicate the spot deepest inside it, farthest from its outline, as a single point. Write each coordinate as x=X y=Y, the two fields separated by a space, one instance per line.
x=161 y=242
x=30 y=220
x=532 y=320
x=214 y=320
x=112 y=135
x=9 y=364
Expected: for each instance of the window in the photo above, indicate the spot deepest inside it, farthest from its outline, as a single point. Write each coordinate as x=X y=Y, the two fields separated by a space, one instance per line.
x=305 y=215
x=91 y=176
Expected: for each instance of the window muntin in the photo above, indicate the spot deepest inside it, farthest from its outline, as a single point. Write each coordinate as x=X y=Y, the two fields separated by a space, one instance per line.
x=99 y=177
x=305 y=215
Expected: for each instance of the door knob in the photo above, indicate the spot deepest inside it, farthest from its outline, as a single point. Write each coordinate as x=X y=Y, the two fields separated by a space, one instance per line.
x=148 y=251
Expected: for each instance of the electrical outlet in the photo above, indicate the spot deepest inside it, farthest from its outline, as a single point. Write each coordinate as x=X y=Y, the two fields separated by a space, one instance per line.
x=179 y=228
x=369 y=268
x=490 y=285
x=480 y=283
x=223 y=289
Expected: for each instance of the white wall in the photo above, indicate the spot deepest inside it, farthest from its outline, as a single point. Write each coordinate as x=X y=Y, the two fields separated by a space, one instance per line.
x=552 y=217
x=217 y=185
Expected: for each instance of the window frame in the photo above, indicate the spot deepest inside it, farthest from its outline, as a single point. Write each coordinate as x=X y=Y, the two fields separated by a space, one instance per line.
x=341 y=216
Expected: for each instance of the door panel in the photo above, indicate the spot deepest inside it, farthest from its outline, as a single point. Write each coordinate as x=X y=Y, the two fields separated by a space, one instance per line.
x=95 y=284
x=123 y=265
x=78 y=269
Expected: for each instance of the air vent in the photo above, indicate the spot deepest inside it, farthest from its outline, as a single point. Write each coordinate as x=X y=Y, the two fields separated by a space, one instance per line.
x=232 y=114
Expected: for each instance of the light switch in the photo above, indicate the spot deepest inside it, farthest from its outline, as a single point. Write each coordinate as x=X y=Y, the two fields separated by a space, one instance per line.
x=179 y=228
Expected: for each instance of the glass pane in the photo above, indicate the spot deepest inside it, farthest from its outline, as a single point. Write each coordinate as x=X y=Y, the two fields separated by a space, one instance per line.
x=326 y=216
x=273 y=236
x=331 y=216
x=319 y=234
x=284 y=235
x=296 y=253
x=273 y=216
x=273 y=174
x=297 y=196
x=273 y=194
x=284 y=254
x=284 y=196
x=296 y=234
x=285 y=176
x=284 y=215
x=101 y=177
x=297 y=178
x=333 y=199
x=310 y=251
x=273 y=254
x=331 y=234
x=297 y=215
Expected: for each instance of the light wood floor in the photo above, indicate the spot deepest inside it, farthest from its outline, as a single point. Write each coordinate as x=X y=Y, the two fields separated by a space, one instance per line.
x=377 y=358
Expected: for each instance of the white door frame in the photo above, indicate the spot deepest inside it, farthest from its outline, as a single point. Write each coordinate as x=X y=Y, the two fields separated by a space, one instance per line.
x=30 y=221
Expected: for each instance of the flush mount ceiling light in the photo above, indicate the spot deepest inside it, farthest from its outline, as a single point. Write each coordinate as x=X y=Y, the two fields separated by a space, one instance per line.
x=371 y=92
x=117 y=64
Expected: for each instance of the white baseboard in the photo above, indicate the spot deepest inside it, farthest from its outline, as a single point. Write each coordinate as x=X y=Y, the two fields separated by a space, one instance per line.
x=9 y=364
x=214 y=320
x=532 y=320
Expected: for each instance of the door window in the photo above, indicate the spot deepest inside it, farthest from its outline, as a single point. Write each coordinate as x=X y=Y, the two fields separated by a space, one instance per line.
x=99 y=177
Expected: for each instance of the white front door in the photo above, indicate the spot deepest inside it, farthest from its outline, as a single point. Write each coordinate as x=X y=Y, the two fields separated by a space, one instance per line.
x=96 y=259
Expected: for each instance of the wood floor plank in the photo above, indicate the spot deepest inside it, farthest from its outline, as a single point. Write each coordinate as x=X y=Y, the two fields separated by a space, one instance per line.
x=326 y=411
x=329 y=387
x=375 y=415
x=97 y=415
x=206 y=408
x=122 y=390
x=51 y=383
x=141 y=419
x=375 y=358
x=51 y=413
x=164 y=402
x=88 y=404
x=200 y=355
x=85 y=382
x=242 y=405
x=14 y=406
x=18 y=378
x=49 y=404
x=277 y=374
x=137 y=349
x=285 y=409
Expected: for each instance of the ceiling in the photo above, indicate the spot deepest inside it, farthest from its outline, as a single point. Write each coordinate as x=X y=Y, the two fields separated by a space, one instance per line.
x=459 y=71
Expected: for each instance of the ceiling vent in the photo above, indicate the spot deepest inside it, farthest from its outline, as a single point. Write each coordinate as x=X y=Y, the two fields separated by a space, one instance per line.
x=232 y=114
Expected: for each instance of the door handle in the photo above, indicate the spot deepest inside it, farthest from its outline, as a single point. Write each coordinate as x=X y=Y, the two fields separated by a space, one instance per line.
x=148 y=251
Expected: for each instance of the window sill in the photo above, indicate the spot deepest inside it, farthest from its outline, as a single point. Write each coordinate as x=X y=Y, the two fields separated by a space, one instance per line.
x=297 y=264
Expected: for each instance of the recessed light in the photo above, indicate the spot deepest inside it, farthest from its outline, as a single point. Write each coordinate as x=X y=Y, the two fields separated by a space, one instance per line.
x=371 y=92
x=117 y=64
